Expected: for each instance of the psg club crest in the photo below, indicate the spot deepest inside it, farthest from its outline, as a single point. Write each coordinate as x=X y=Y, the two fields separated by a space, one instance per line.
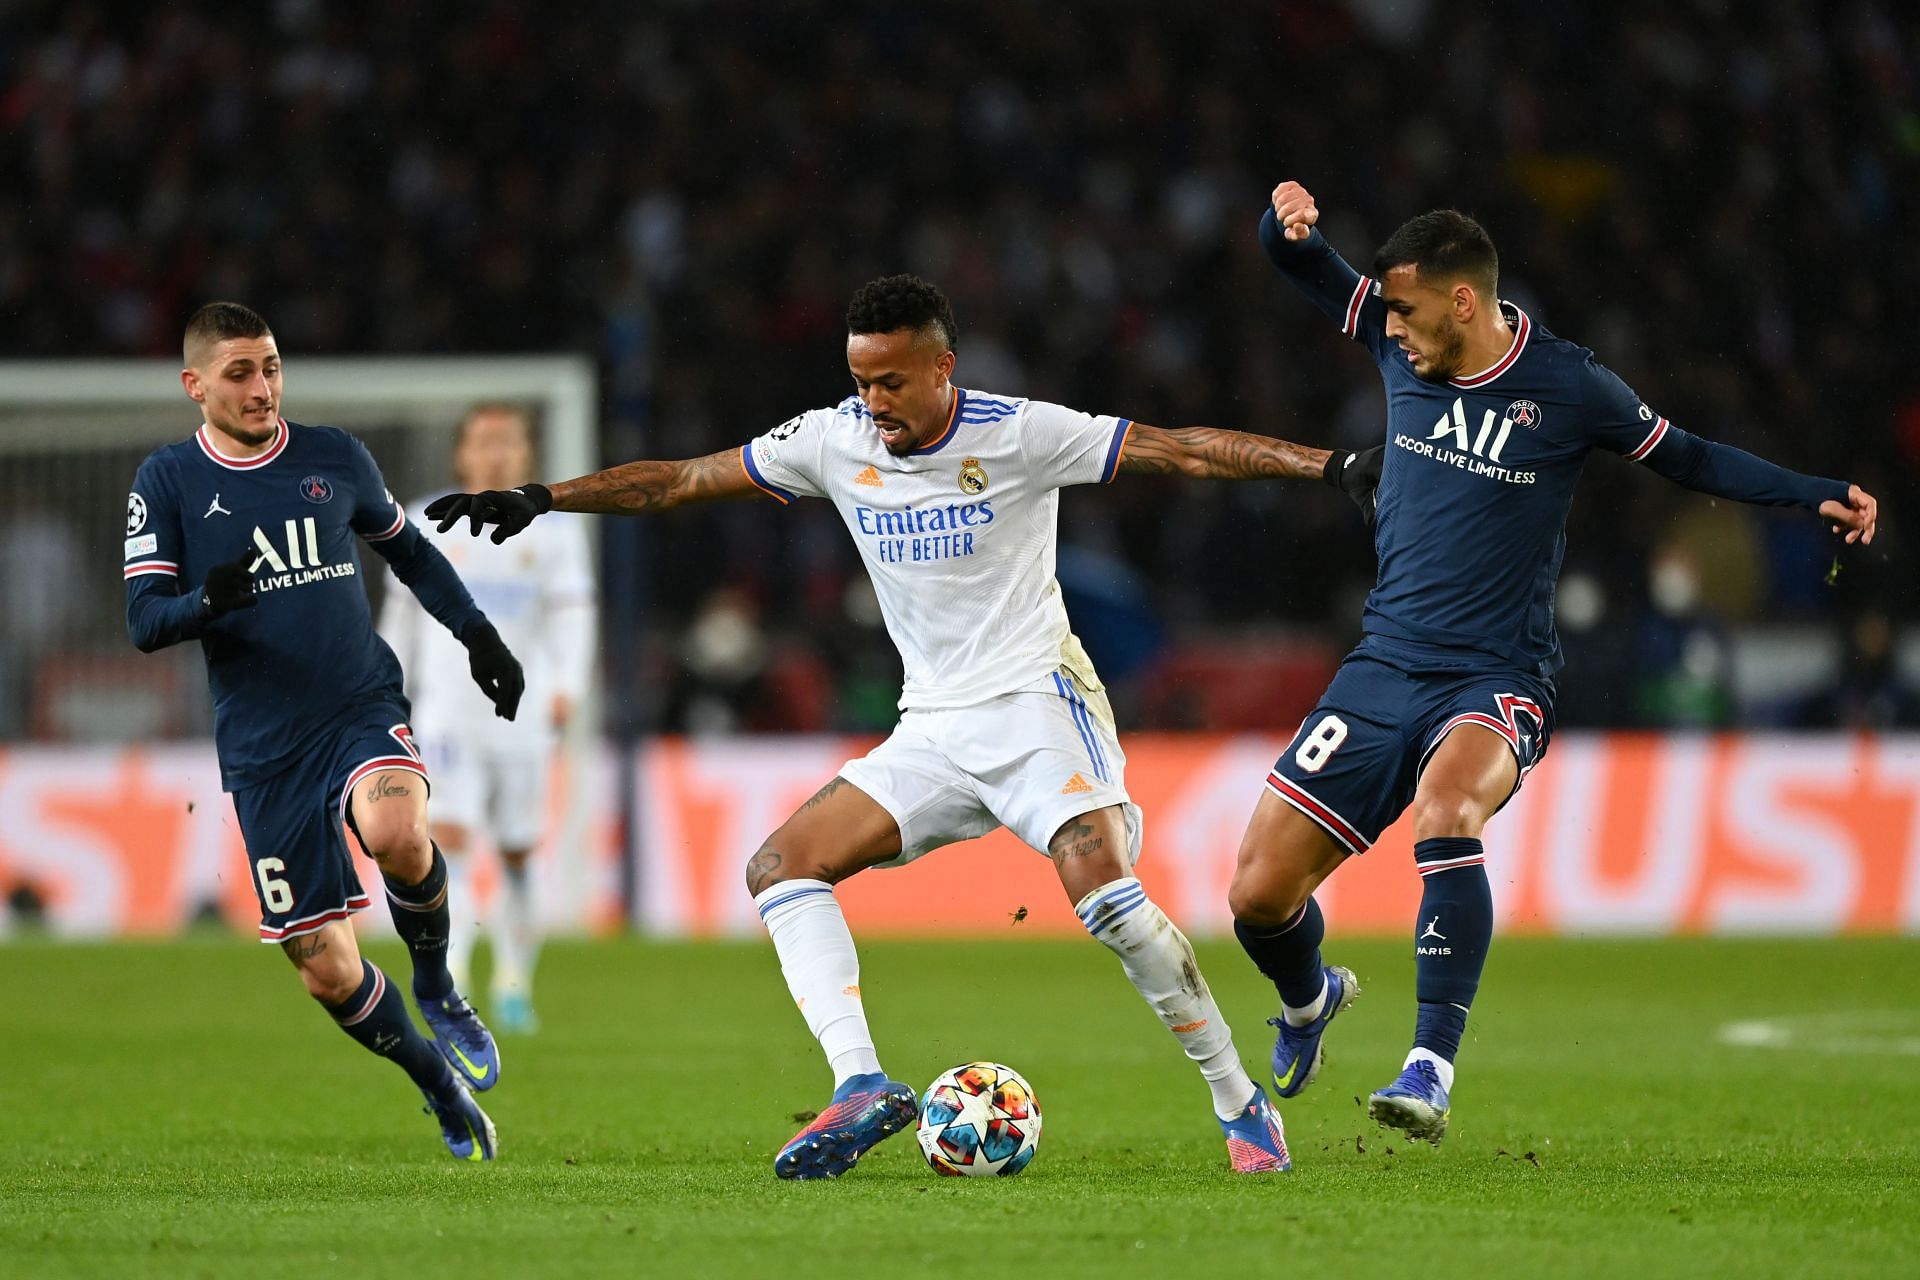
x=316 y=490
x=1524 y=413
x=973 y=477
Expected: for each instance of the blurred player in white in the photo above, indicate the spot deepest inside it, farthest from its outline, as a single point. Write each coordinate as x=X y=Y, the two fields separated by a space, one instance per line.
x=952 y=497
x=490 y=778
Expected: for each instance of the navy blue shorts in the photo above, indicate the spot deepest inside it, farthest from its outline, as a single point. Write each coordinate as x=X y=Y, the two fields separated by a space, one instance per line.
x=293 y=822
x=1356 y=760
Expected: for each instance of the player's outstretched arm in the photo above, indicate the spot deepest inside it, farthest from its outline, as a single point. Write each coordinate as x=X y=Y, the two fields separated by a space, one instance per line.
x=626 y=490
x=1707 y=466
x=1209 y=453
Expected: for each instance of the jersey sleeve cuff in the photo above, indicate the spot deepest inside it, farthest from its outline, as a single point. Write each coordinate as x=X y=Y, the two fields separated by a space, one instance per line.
x=760 y=482
x=1116 y=450
x=392 y=530
x=1653 y=438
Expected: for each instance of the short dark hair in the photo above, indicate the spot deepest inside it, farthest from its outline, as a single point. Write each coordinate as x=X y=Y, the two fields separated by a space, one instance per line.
x=1444 y=243
x=218 y=321
x=901 y=302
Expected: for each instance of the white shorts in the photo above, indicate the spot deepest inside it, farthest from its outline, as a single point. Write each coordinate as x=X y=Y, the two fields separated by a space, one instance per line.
x=1029 y=761
x=497 y=790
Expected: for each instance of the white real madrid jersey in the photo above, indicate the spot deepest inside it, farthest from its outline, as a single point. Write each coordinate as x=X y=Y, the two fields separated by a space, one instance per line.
x=959 y=535
x=537 y=589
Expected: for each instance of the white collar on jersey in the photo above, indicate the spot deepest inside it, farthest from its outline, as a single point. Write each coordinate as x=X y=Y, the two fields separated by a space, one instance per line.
x=1522 y=330
x=231 y=463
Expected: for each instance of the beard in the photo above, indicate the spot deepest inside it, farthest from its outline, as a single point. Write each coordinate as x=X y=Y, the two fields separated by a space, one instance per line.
x=1446 y=361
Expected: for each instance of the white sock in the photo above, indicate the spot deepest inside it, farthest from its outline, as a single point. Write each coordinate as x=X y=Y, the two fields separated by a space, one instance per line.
x=516 y=937
x=1159 y=961
x=463 y=920
x=822 y=971
x=1307 y=1012
x=1441 y=1066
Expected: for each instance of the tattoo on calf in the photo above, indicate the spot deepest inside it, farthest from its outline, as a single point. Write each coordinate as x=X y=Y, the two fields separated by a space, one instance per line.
x=761 y=869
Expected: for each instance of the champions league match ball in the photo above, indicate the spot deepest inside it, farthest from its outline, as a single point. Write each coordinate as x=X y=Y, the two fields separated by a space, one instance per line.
x=979 y=1120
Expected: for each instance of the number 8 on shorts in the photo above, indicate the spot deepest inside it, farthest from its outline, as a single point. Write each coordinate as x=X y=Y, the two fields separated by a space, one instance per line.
x=1318 y=746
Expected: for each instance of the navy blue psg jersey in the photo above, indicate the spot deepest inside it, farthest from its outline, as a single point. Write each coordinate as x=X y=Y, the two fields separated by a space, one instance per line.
x=1480 y=470
x=305 y=656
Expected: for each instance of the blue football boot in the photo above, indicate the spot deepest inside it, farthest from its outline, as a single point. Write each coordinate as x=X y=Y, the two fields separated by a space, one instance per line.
x=1296 y=1050
x=1416 y=1102
x=1256 y=1140
x=513 y=1014
x=864 y=1110
x=464 y=1127
x=463 y=1040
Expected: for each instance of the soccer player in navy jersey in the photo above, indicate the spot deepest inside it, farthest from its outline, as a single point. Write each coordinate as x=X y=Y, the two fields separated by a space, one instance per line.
x=1448 y=700
x=242 y=537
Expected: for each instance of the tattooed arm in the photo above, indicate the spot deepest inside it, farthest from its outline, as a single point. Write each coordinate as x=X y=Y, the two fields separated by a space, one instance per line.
x=1210 y=453
x=634 y=487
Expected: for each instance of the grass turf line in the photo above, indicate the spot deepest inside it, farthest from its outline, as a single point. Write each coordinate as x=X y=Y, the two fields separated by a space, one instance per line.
x=182 y=1109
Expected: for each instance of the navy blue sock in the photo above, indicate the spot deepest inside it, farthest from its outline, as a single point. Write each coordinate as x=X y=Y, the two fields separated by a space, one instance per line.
x=376 y=1016
x=1288 y=954
x=1450 y=938
x=421 y=918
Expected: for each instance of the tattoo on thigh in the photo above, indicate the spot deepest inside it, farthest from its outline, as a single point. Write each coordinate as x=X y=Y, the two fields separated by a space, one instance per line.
x=761 y=869
x=306 y=948
x=385 y=786
x=824 y=792
x=1075 y=840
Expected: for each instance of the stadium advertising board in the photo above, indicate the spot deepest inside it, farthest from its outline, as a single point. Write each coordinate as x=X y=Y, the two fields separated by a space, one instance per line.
x=141 y=841
x=1612 y=834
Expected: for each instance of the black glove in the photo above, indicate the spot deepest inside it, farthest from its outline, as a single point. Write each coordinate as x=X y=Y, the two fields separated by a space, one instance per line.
x=228 y=587
x=510 y=509
x=494 y=668
x=1357 y=475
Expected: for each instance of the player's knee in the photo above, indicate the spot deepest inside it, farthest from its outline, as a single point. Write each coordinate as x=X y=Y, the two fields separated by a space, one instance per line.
x=400 y=844
x=1446 y=812
x=1265 y=898
x=330 y=981
x=787 y=855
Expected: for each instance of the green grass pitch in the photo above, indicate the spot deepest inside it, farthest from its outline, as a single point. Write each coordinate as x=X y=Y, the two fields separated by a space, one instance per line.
x=183 y=1110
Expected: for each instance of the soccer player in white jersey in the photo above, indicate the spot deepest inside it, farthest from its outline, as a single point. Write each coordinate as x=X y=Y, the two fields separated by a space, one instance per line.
x=491 y=778
x=951 y=496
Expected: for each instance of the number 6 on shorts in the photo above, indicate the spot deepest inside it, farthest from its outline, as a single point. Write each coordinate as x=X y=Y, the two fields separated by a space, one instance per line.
x=1319 y=746
x=277 y=892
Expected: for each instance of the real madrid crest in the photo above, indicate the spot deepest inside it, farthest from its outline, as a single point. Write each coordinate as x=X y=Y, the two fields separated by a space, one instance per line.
x=973 y=477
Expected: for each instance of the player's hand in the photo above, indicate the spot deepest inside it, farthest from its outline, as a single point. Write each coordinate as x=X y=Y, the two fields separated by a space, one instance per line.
x=1293 y=206
x=1856 y=517
x=494 y=668
x=229 y=587
x=510 y=510
x=1358 y=476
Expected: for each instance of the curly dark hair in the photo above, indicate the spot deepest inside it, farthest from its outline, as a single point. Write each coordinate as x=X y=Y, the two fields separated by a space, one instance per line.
x=1444 y=243
x=901 y=302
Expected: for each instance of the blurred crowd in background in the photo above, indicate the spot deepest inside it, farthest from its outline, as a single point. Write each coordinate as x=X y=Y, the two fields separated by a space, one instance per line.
x=1710 y=194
